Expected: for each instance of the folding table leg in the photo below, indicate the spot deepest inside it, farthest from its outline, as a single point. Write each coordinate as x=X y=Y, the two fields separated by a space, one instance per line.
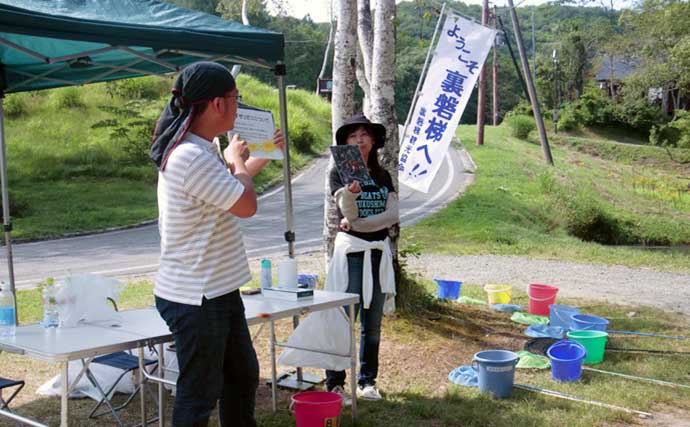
x=64 y=416
x=141 y=384
x=161 y=370
x=353 y=363
x=274 y=381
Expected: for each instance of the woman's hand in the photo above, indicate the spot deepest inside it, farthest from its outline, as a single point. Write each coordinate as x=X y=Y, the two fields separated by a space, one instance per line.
x=344 y=225
x=354 y=188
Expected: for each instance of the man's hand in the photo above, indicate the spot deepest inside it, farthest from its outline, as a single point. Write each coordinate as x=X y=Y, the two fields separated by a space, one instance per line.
x=236 y=151
x=278 y=139
x=354 y=188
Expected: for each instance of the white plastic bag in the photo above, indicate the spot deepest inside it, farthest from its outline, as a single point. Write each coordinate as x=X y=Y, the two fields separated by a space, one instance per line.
x=325 y=330
x=84 y=297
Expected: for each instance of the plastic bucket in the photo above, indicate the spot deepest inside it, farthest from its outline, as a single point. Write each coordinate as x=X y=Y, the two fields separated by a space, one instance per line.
x=559 y=315
x=594 y=343
x=448 y=289
x=588 y=322
x=566 y=360
x=540 y=297
x=498 y=294
x=317 y=408
x=496 y=372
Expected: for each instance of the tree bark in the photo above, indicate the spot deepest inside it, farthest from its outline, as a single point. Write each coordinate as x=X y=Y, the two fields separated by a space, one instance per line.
x=383 y=91
x=365 y=35
x=328 y=48
x=343 y=105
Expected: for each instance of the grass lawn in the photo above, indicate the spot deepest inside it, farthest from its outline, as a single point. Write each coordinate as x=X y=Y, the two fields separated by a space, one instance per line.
x=612 y=192
x=418 y=352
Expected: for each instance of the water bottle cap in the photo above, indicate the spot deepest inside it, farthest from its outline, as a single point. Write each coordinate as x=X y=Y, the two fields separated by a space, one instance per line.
x=265 y=263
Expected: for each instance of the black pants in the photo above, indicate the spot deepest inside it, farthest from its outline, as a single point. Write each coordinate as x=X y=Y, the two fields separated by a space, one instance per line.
x=216 y=361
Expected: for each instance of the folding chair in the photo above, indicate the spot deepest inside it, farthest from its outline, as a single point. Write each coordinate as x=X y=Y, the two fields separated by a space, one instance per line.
x=127 y=363
x=6 y=383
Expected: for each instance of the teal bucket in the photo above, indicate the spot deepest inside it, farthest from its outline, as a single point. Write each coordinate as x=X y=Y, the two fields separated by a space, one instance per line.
x=496 y=372
x=560 y=315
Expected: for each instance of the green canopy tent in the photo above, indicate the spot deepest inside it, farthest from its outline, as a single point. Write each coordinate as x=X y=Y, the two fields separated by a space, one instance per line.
x=53 y=43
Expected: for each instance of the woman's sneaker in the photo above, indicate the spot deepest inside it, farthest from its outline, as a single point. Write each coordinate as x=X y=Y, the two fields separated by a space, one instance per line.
x=368 y=392
x=347 y=401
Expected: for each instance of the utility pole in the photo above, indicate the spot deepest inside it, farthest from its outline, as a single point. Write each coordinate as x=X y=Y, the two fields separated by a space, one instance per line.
x=530 y=85
x=481 y=102
x=534 y=50
x=494 y=74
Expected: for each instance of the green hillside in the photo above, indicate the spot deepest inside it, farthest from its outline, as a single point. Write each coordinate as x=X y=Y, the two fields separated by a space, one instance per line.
x=601 y=195
x=77 y=157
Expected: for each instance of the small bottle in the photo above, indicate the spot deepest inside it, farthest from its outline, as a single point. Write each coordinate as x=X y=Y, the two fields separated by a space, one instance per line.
x=266 y=278
x=8 y=321
x=51 y=316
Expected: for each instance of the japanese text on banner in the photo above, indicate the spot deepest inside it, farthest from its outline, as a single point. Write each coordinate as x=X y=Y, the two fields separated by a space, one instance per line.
x=459 y=55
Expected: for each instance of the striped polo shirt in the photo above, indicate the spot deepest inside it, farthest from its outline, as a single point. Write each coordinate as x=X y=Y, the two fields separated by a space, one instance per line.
x=202 y=252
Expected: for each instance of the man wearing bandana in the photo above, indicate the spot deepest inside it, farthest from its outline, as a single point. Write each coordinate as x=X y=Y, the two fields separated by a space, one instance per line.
x=203 y=262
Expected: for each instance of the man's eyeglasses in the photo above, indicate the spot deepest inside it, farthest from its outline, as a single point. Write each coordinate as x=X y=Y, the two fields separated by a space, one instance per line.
x=238 y=96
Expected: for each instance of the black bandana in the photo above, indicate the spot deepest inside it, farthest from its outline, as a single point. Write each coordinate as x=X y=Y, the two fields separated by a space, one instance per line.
x=197 y=83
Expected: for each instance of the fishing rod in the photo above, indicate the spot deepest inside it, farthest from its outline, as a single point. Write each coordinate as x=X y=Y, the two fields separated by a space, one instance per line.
x=644 y=350
x=560 y=395
x=647 y=334
x=635 y=377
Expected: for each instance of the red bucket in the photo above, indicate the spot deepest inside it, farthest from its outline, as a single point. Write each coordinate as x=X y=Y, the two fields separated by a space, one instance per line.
x=317 y=408
x=540 y=297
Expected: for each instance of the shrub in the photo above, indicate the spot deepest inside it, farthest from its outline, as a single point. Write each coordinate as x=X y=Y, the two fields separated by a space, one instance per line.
x=523 y=108
x=638 y=114
x=15 y=105
x=594 y=108
x=521 y=126
x=151 y=87
x=68 y=97
x=672 y=134
x=302 y=136
x=568 y=119
x=585 y=218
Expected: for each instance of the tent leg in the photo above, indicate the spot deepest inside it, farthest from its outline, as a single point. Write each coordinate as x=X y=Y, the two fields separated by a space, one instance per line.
x=280 y=72
x=6 y=221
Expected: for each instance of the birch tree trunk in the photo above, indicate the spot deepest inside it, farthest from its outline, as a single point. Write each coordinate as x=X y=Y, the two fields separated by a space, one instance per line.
x=245 y=20
x=343 y=104
x=326 y=54
x=365 y=35
x=383 y=91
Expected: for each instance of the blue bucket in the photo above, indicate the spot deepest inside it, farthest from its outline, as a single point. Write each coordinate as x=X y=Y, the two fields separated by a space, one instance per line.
x=588 y=322
x=448 y=289
x=566 y=360
x=560 y=315
x=496 y=372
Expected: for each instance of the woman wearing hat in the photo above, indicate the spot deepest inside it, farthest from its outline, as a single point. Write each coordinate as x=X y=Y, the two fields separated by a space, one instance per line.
x=362 y=261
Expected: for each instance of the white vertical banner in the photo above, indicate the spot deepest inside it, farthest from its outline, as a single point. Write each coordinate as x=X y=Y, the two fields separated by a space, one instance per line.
x=460 y=53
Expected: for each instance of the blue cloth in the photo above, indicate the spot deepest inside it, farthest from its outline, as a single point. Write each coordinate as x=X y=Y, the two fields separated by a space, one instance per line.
x=370 y=321
x=464 y=376
x=509 y=308
x=545 y=331
x=216 y=360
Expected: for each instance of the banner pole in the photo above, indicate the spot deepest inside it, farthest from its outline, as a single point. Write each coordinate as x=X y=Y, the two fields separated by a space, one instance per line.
x=415 y=97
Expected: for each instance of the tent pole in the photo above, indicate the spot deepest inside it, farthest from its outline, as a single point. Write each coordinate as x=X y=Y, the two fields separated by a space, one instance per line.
x=7 y=224
x=280 y=72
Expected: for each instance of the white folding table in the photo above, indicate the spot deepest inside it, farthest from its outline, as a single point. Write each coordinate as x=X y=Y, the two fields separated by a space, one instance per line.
x=144 y=327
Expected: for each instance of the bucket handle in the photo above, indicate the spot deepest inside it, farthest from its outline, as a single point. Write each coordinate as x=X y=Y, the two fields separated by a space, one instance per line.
x=538 y=299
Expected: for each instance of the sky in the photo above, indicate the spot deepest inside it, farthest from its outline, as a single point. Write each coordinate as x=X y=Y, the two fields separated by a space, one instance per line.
x=319 y=9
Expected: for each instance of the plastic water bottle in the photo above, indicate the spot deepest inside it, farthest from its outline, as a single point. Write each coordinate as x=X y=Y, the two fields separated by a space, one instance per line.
x=8 y=322
x=51 y=316
x=266 y=278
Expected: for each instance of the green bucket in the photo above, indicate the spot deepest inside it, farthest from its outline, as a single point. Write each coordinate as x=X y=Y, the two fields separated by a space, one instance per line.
x=594 y=343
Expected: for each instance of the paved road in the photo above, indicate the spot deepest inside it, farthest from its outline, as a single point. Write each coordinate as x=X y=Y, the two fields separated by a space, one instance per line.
x=135 y=251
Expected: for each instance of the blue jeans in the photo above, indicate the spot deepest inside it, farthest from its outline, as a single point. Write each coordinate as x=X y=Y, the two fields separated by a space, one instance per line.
x=216 y=361
x=370 y=321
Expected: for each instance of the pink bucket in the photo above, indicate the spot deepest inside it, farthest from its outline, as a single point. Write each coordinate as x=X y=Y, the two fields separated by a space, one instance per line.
x=540 y=297
x=317 y=408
